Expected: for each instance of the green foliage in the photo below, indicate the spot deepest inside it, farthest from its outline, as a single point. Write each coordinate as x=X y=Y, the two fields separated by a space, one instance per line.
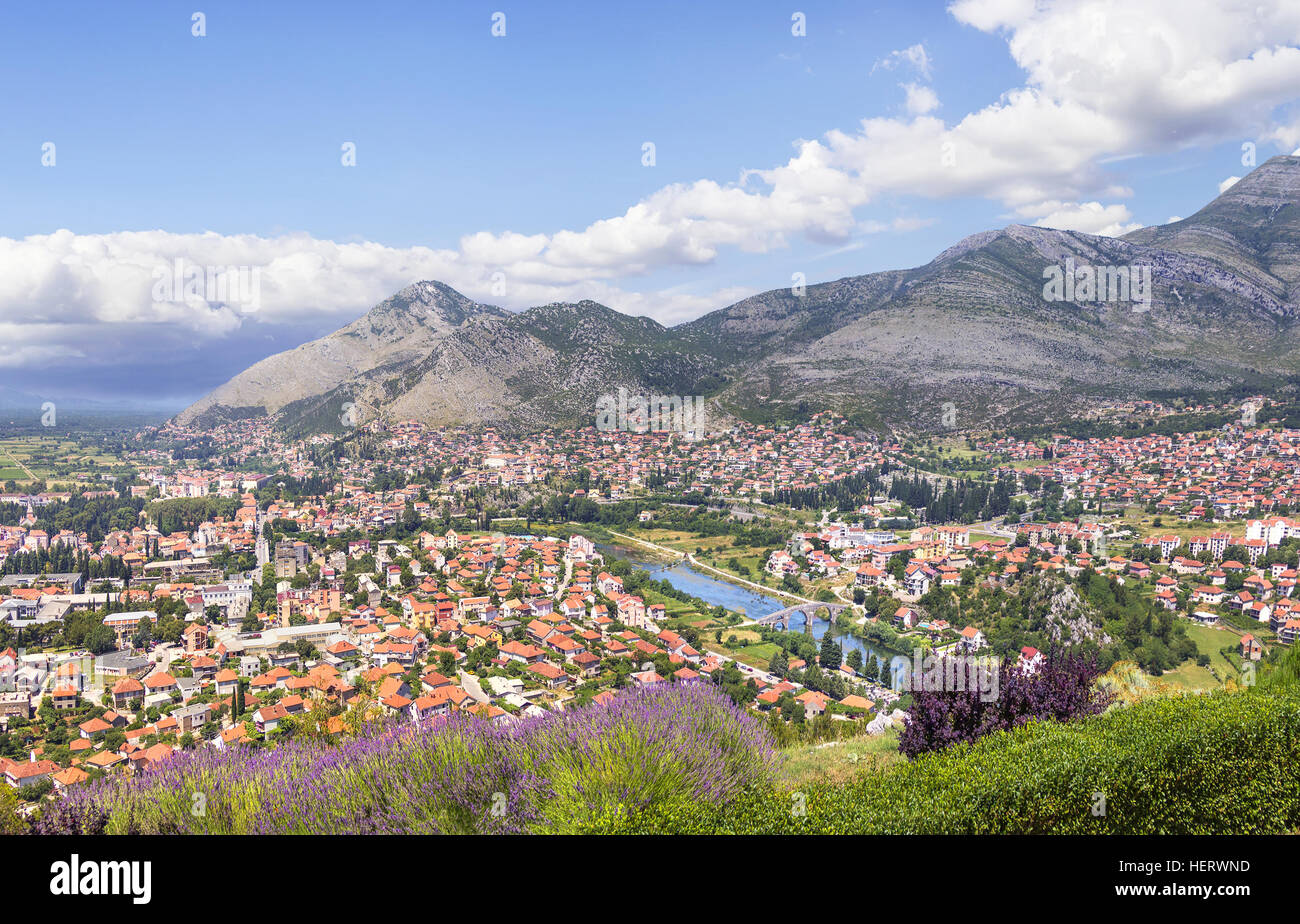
x=10 y=821
x=1221 y=763
x=1138 y=630
x=186 y=513
x=1284 y=674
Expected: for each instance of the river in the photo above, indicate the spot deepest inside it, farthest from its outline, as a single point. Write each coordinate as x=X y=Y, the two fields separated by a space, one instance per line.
x=717 y=592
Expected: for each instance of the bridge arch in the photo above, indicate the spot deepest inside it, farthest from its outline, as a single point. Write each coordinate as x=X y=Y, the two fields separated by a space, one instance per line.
x=809 y=610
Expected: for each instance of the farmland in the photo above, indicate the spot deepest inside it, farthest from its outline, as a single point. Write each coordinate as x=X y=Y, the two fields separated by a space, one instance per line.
x=56 y=460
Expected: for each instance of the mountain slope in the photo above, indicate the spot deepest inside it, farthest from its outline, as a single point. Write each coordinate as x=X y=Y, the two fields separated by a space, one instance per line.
x=974 y=328
x=542 y=367
x=397 y=331
x=1250 y=228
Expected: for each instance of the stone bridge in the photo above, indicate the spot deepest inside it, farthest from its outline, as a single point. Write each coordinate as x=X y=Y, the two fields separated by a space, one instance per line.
x=782 y=617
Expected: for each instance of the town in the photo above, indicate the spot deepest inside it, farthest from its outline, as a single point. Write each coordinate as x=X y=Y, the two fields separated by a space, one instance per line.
x=402 y=573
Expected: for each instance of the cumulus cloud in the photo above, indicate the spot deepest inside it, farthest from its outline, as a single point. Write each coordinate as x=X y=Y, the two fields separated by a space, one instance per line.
x=1088 y=217
x=68 y=286
x=1228 y=183
x=1284 y=134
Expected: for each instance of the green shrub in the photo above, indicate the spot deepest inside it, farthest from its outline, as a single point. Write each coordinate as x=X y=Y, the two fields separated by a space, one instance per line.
x=1222 y=763
x=1284 y=674
x=10 y=821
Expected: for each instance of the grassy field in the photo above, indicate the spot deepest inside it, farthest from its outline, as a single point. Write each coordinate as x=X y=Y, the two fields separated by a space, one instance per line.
x=1170 y=525
x=839 y=761
x=749 y=648
x=955 y=456
x=751 y=561
x=1192 y=678
x=1028 y=463
x=716 y=551
x=1209 y=641
x=958 y=448
x=668 y=537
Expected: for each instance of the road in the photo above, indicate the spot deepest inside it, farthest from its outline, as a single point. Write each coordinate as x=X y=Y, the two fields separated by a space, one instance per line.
x=568 y=578
x=988 y=529
x=471 y=686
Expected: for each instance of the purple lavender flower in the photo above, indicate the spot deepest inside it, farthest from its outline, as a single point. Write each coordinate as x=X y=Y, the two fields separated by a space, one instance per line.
x=458 y=774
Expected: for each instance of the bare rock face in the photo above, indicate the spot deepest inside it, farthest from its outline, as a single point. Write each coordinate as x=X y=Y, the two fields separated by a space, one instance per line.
x=977 y=327
x=1071 y=621
x=398 y=331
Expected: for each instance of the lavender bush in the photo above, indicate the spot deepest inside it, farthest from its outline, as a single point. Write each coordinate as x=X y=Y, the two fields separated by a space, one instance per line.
x=457 y=775
x=1063 y=687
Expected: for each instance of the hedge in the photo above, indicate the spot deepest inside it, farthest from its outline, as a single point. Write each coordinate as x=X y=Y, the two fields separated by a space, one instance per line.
x=1219 y=763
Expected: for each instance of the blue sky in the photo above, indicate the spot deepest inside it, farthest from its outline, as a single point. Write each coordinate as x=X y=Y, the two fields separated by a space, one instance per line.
x=540 y=132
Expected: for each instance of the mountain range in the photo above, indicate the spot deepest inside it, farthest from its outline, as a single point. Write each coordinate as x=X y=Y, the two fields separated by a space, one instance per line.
x=970 y=338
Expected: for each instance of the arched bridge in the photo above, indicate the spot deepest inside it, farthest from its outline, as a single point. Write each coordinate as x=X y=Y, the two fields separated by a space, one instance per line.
x=782 y=617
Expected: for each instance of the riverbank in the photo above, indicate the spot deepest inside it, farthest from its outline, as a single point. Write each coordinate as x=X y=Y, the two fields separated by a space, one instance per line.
x=716 y=587
x=722 y=575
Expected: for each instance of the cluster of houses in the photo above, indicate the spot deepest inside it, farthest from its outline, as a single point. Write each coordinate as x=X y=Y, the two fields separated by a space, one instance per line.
x=1200 y=585
x=870 y=550
x=1223 y=475
x=542 y=614
x=551 y=616
x=744 y=461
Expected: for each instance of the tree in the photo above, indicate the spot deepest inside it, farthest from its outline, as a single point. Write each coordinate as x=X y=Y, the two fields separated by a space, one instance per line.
x=143 y=633
x=831 y=653
x=100 y=640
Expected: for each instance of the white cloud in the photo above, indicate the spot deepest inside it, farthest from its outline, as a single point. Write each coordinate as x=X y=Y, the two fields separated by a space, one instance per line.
x=1088 y=217
x=24 y=347
x=920 y=99
x=914 y=56
x=1228 y=184
x=1285 y=134
x=991 y=15
x=63 y=295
